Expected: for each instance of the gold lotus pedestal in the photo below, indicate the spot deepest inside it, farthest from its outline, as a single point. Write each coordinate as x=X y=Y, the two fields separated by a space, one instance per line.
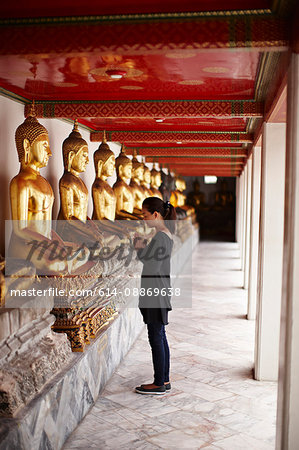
x=81 y=326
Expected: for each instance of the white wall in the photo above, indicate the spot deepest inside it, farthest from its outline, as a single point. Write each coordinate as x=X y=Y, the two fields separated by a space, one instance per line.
x=11 y=116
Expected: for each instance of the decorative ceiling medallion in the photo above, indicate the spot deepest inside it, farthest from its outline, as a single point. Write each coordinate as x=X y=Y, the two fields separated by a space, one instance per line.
x=116 y=74
x=191 y=82
x=180 y=55
x=132 y=88
x=130 y=72
x=214 y=69
x=62 y=84
x=112 y=59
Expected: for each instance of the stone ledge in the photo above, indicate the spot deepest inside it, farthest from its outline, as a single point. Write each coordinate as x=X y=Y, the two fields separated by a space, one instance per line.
x=25 y=375
x=54 y=413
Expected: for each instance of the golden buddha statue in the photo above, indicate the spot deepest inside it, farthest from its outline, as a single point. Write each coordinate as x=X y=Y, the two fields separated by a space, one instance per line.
x=146 y=181
x=156 y=183
x=174 y=196
x=73 y=223
x=73 y=192
x=196 y=198
x=135 y=184
x=104 y=198
x=181 y=187
x=223 y=197
x=123 y=192
x=32 y=198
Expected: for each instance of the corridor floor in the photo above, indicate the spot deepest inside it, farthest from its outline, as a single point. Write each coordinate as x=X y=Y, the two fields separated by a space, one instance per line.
x=214 y=402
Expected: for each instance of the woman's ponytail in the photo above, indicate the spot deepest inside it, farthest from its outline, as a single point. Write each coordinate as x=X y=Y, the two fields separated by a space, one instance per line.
x=169 y=216
x=166 y=209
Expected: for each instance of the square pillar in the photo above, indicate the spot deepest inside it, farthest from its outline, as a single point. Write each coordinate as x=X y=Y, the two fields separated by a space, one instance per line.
x=254 y=232
x=247 y=222
x=287 y=436
x=238 y=209
x=240 y=212
x=244 y=209
x=270 y=251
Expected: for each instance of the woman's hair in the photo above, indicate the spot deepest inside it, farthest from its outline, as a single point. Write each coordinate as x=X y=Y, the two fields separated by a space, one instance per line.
x=166 y=210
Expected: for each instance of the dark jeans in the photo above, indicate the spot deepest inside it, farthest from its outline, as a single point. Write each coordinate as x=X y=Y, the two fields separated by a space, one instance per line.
x=160 y=352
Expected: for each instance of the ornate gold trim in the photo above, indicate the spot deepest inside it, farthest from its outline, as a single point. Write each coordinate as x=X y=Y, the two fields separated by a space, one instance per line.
x=199 y=156
x=133 y=17
x=252 y=124
x=92 y=102
x=13 y=96
x=180 y=148
x=170 y=132
x=267 y=65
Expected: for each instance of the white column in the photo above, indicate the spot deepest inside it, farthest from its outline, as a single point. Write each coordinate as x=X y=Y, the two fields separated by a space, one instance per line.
x=237 y=231
x=247 y=222
x=287 y=437
x=244 y=209
x=241 y=199
x=254 y=232
x=270 y=251
x=238 y=209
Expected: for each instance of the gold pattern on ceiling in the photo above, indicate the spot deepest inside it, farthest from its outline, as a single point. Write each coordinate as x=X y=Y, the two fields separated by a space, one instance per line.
x=214 y=69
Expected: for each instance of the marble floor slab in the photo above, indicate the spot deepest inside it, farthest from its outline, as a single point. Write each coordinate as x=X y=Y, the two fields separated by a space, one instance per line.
x=214 y=402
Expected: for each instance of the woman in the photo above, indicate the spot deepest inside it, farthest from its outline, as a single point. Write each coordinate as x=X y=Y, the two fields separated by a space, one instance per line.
x=155 y=291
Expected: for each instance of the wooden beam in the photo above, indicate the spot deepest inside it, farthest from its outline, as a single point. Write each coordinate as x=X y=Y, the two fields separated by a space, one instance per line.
x=147 y=109
x=81 y=35
x=197 y=160
x=193 y=137
x=202 y=172
x=207 y=152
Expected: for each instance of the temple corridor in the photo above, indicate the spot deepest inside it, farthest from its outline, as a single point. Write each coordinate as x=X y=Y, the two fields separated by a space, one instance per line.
x=214 y=402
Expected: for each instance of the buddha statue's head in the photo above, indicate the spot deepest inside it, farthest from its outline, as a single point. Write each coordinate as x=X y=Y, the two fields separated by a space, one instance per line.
x=146 y=174
x=104 y=160
x=196 y=186
x=75 y=151
x=223 y=186
x=137 y=168
x=180 y=183
x=156 y=178
x=123 y=165
x=32 y=142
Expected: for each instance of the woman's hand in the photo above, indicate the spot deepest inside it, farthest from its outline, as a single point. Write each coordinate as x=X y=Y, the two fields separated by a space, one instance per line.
x=139 y=242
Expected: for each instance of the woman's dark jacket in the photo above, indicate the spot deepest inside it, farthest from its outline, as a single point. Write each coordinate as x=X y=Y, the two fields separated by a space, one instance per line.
x=155 y=279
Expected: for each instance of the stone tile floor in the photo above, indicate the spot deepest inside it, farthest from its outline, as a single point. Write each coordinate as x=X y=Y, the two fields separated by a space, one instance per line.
x=214 y=402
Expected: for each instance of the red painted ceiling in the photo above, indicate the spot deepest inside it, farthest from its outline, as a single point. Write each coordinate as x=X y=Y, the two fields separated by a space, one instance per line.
x=173 y=124
x=200 y=75
x=171 y=75
x=36 y=8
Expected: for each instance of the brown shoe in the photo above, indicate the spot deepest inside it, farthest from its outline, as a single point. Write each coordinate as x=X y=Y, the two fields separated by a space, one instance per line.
x=159 y=390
